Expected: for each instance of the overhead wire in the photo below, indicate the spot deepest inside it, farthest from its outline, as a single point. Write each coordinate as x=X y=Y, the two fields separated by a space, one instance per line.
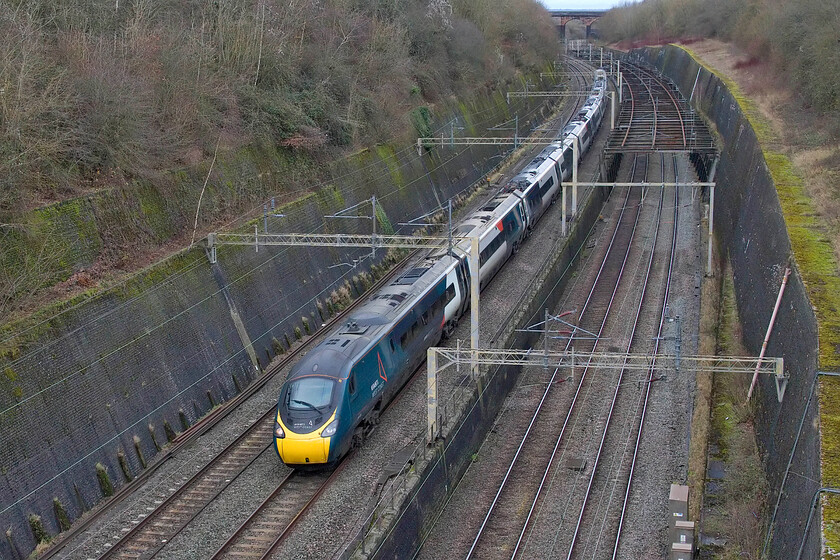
x=198 y=260
x=148 y=331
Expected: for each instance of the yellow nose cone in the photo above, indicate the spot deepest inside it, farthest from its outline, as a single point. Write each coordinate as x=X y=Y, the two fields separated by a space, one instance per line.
x=308 y=450
x=304 y=449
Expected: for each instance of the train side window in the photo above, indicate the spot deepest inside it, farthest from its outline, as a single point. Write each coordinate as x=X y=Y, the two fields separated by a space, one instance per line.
x=450 y=293
x=351 y=383
x=391 y=341
x=404 y=339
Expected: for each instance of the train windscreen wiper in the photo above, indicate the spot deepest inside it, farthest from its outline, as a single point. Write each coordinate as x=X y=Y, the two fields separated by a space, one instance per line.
x=310 y=405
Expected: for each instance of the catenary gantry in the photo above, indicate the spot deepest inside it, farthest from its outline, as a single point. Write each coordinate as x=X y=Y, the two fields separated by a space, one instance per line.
x=655 y=118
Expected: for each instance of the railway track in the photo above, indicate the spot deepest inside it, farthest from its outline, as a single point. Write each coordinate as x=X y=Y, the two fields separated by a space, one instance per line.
x=612 y=467
x=534 y=460
x=655 y=117
x=149 y=536
x=649 y=377
x=264 y=530
x=602 y=510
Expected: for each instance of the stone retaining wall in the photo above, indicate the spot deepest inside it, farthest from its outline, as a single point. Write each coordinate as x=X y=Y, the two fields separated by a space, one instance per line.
x=751 y=232
x=114 y=371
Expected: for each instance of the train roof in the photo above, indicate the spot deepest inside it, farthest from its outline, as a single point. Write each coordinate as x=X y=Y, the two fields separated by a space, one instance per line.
x=337 y=353
x=572 y=128
x=535 y=169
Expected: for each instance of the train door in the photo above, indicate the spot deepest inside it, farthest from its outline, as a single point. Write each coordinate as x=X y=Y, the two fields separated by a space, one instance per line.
x=568 y=161
x=516 y=232
x=586 y=137
x=558 y=172
x=463 y=273
x=529 y=219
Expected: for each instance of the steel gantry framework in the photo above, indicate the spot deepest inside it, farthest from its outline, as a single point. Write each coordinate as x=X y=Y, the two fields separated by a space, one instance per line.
x=374 y=241
x=439 y=359
x=564 y=220
x=656 y=119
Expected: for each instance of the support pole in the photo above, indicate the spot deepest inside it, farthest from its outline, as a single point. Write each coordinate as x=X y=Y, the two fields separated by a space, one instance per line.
x=620 y=86
x=711 y=179
x=431 y=389
x=545 y=341
x=515 y=132
x=811 y=511
x=575 y=156
x=373 y=220
x=602 y=58
x=474 y=289
x=449 y=223
x=612 y=110
x=711 y=227
x=769 y=330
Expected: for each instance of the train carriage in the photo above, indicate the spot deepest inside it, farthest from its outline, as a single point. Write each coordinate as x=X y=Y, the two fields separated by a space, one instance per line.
x=334 y=395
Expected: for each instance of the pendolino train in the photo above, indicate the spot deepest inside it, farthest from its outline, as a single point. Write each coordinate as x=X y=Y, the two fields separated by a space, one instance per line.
x=333 y=396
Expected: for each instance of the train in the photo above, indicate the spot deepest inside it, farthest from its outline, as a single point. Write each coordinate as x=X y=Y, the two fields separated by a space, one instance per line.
x=333 y=397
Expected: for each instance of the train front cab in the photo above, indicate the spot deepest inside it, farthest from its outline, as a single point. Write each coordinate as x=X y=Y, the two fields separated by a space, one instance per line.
x=306 y=423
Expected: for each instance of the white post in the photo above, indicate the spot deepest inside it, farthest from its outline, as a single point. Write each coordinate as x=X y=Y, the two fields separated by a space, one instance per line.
x=575 y=156
x=617 y=68
x=373 y=221
x=474 y=288
x=431 y=388
x=602 y=58
x=620 y=86
x=711 y=179
x=711 y=226
x=612 y=111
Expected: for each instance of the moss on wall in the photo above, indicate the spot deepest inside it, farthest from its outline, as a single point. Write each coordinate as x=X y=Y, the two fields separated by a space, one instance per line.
x=815 y=260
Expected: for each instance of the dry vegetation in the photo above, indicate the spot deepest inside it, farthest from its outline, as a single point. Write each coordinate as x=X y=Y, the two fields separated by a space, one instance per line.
x=799 y=39
x=111 y=97
x=94 y=93
x=737 y=503
x=783 y=56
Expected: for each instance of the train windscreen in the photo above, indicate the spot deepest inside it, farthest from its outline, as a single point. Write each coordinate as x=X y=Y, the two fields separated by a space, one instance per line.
x=310 y=393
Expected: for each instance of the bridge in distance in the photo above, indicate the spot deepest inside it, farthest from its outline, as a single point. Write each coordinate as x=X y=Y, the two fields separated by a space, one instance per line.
x=586 y=17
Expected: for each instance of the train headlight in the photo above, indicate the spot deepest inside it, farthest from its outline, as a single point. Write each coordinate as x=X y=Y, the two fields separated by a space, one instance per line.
x=278 y=431
x=330 y=429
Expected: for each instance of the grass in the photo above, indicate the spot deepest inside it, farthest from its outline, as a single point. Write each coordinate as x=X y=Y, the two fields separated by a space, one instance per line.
x=815 y=261
x=738 y=511
x=701 y=418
